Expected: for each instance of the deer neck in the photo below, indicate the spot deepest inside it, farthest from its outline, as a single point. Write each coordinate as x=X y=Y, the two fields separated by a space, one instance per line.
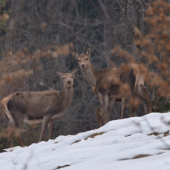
x=91 y=75
x=67 y=96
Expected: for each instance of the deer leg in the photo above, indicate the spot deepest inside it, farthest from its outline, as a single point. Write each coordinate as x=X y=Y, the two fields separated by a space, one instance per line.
x=14 y=130
x=20 y=141
x=147 y=97
x=17 y=134
x=124 y=106
x=110 y=105
x=99 y=116
x=50 y=128
x=99 y=111
x=133 y=105
x=45 y=121
x=132 y=110
x=105 y=107
x=10 y=132
x=144 y=95
x=19 y=117
x=11 y=142
x=16 y=122
x=11 y=126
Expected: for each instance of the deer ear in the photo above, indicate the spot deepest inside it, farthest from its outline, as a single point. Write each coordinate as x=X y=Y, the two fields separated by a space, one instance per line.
x=60 y=74
x=88 y=51
x=74 y=72
x=75 y=55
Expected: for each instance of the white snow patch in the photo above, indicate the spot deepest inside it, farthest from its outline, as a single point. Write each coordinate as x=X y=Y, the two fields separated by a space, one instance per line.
x=114 y=147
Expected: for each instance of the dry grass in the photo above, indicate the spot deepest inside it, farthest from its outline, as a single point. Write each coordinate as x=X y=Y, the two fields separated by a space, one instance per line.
x=76 y=141
x=157 y=134
x=139 y=156
x=63 y=166
x=136 y=157
x=1 y=151
x=94 y=135
x=91 y=136
x=15 y=67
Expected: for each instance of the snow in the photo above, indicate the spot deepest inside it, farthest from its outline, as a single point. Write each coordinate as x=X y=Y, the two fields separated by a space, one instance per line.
x=114 y=147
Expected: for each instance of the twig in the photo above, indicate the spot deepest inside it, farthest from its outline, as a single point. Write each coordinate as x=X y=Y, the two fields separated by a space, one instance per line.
x=163 y=141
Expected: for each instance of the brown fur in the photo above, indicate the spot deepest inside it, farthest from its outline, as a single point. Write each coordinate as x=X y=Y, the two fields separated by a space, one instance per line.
x=126 y=82
x=36 y=107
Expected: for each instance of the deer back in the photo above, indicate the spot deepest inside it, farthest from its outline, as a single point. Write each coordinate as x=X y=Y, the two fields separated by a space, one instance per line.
x=36 y=104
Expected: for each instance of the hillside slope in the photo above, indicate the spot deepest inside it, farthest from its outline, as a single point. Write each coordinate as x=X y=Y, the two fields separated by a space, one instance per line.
x=138 y=143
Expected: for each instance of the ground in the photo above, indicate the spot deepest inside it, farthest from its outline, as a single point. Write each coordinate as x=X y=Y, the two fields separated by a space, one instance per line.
x=138 y=143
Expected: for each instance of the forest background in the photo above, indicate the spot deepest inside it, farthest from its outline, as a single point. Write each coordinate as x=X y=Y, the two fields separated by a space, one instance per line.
x=37 y=37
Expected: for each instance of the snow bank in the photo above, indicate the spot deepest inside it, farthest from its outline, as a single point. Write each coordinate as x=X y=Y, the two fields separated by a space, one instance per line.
x=138 y=143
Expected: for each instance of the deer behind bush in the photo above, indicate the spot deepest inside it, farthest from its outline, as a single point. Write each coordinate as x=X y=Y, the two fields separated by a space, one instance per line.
x=126 y=82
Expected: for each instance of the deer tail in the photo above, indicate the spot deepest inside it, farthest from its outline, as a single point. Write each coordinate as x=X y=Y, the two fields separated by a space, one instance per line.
x=4 y=103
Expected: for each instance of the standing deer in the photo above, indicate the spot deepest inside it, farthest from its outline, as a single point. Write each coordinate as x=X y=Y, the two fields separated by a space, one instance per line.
x=112 y=84
x=36 y=107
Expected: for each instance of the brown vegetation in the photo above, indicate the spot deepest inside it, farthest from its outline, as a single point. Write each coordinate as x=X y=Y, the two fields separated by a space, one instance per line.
x=94 y=135
x=156 y=133
x=62 y=166
x=139 y=156
x=154 y=52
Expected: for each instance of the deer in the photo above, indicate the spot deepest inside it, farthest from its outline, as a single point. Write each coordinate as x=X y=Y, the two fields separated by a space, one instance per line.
x=111 y=84
x=39 y=106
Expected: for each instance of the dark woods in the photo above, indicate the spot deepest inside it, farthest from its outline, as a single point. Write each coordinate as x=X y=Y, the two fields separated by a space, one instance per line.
x=38 y=36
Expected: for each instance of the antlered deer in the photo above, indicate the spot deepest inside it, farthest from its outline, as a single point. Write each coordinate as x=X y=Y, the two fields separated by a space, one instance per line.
x=126 y=82
x=36 y=107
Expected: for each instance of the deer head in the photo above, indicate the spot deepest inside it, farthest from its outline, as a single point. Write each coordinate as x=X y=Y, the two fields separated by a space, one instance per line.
x=83 y=59
x=68 y=78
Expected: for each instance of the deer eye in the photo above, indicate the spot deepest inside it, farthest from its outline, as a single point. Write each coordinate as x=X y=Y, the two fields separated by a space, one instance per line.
x=71 y=76
x=78 y=60
x=63 y=78
x=87 y=58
